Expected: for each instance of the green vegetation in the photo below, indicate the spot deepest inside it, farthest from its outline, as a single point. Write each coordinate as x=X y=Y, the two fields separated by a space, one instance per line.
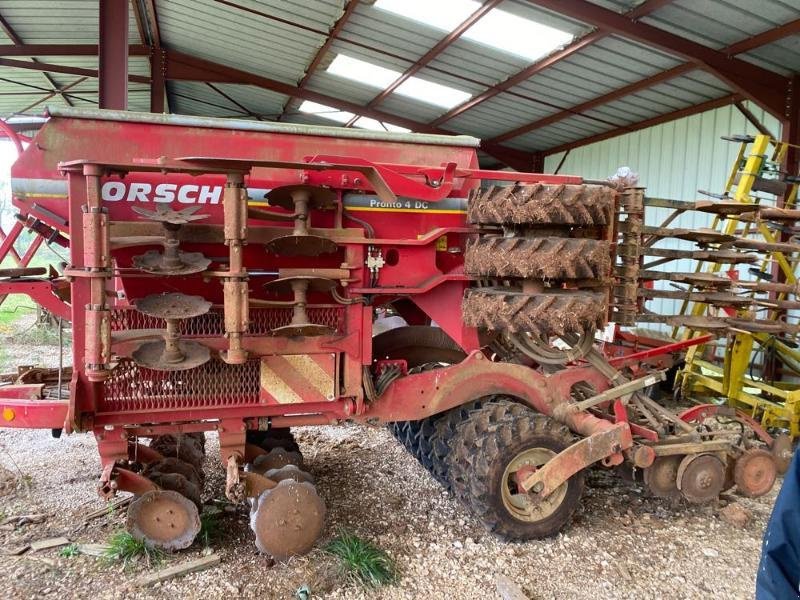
x=124 y=548
x=362 y=562
x=209 y=528
x=69 y=551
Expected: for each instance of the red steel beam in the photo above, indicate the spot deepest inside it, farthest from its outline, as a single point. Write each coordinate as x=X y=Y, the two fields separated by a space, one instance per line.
x=665 y=118
x=51 y=68
x=113 y=54
x=64 y=49
x=756 y=83
x=520 y=77
x=640 y=11
x=765 y=37
x=606 y=98
x=147 y=15
x=189 y=68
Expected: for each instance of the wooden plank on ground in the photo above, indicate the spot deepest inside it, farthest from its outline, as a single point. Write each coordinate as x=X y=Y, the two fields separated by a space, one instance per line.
x=199 y=564
x=54 y=542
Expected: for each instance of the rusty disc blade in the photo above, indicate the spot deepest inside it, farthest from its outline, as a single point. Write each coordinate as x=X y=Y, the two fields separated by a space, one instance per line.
x=150 y=355
x=153 y=261
x=288 y=519
x=755 y=472
x=318 y=197
x=290 y=471
x=172 y=464
x=164 y=519
x=315 y=284
x=782 y=452
x=701 y=477
x=173 y=306
x=703 y=236
x=275 y=459
x=164 y=214
x=661 y=477
x=301 y=245
x=185 y=447
x=302 y=330
x=175 y=482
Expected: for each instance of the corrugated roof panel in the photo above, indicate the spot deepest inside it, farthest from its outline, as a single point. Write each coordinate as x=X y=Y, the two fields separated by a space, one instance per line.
x=253 y=100
x=568 y=130
x=719 y=23
x=594 y=71
x=240 y=39
x=782 y=56
x=49 y=22
x=502 y=113
x=620 y=6
x=406 y=107
x=341 y=88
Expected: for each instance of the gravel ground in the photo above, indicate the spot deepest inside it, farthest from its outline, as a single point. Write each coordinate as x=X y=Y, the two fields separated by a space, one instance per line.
x=621 y=544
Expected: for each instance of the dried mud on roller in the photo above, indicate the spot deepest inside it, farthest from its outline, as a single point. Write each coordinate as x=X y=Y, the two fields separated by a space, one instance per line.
x=539 y=258
x=545 y=314
x=585 y=205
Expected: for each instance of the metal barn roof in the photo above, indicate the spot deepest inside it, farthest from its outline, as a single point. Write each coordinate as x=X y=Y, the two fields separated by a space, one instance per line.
x=630 y=64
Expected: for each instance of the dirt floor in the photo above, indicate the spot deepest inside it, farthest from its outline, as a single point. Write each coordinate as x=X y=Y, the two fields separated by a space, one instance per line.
x=622 y=544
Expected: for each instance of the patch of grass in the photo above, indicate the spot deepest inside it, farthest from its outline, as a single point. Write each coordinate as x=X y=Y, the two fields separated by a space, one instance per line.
x=209 y=528
x=124 y=548
x=362 y=562
x=69 y=551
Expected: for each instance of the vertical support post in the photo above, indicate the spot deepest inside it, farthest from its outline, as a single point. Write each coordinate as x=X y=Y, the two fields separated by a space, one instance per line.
x=538 y=162
x=113 y=67
x=97 y=265
x=236 y=299
x=158 y=69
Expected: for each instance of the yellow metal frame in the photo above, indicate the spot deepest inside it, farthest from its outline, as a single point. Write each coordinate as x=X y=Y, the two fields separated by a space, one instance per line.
x=774 y=405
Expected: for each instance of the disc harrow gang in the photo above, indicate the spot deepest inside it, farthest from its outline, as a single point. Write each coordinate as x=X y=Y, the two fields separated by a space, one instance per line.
x=169 y=516
x=288 y=518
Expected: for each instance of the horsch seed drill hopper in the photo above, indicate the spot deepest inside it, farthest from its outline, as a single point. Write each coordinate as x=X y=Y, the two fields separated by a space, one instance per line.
x=226 y=276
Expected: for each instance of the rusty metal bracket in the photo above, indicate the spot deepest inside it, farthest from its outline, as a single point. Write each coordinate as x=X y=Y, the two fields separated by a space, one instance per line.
x=602 y=445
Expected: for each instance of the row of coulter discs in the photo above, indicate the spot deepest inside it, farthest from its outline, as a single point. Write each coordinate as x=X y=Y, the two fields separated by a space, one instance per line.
x=286 y=519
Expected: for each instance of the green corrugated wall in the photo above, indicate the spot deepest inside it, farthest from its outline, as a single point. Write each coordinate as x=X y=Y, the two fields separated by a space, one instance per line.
x=674 y=159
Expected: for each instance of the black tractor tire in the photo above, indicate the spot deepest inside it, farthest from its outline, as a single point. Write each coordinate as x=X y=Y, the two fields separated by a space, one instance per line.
x=485 y=444
x=419 y=346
